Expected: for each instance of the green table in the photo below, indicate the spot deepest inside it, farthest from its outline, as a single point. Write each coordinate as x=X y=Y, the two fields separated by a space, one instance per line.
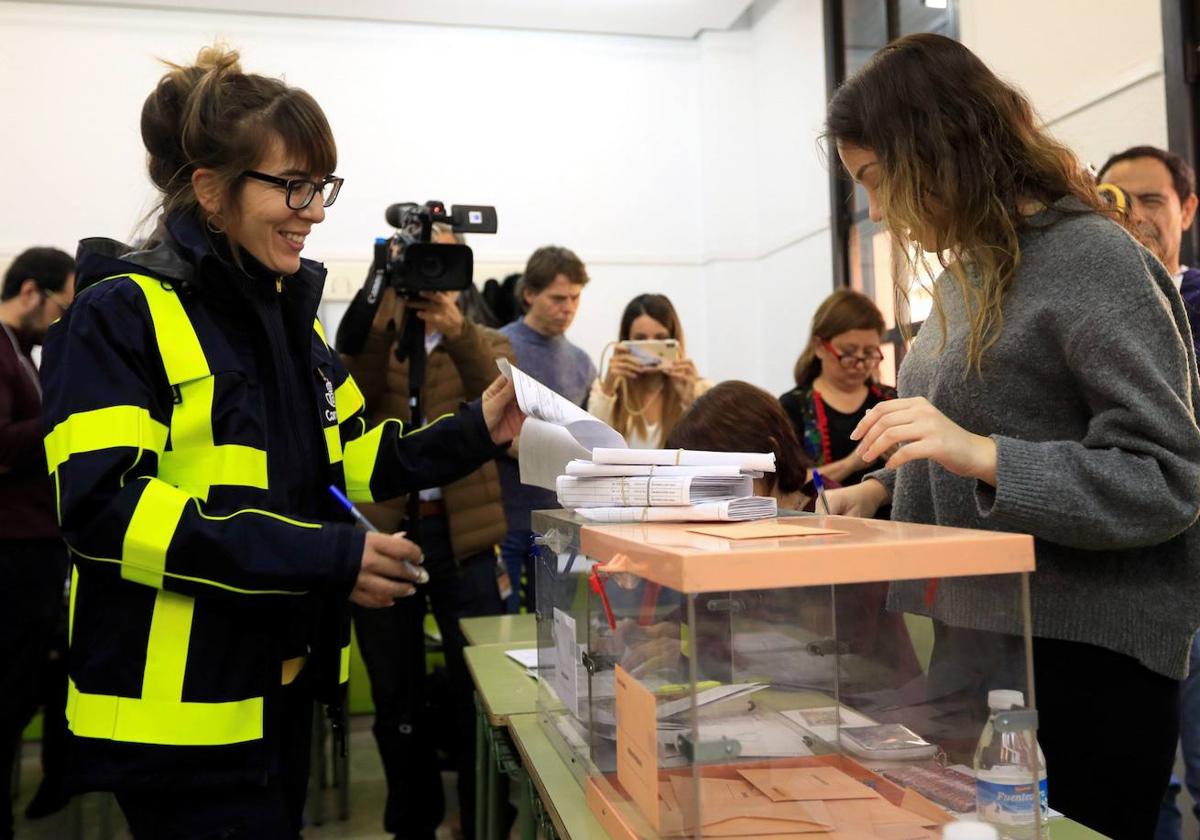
x=500 y=629
x=503 y=692
x=561 y=802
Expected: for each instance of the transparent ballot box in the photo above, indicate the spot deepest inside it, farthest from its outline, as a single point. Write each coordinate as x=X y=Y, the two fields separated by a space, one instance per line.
x=803 y=675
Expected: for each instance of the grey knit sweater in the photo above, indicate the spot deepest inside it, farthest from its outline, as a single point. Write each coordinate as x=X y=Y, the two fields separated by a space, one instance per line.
x=1091 y=395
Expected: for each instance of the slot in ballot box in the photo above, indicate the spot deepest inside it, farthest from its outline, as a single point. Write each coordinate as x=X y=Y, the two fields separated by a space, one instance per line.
x=804 y=675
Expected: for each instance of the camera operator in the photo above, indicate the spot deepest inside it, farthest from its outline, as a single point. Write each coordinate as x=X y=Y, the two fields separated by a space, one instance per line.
x=460 y=525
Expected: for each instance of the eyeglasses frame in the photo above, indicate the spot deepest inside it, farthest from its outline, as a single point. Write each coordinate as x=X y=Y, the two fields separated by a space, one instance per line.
x=287 y=184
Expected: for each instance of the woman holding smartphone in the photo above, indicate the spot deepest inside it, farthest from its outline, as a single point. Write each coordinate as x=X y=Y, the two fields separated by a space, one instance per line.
x=647 y=387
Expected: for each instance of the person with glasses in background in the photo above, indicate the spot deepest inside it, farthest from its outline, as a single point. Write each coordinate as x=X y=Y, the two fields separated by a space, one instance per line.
x=836 y=383
x=198 y=424
x=38 y=288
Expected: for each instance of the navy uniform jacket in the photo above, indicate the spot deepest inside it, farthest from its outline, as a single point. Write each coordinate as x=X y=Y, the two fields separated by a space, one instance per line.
x=195 y=418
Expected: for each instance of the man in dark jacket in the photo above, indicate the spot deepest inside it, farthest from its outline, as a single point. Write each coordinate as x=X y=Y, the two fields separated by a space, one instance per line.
x=38 y=288
x=1162 y=189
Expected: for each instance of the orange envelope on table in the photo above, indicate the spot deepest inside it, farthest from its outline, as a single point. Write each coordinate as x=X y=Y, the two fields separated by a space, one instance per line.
x=733 y=808
x=788 y=784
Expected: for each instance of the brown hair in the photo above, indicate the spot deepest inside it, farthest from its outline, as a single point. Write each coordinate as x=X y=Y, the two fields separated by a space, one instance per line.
x=626 y=417
x=961 y=153
x=545 y=264
x=211 y=115
x=842 y=311
x=739 y=417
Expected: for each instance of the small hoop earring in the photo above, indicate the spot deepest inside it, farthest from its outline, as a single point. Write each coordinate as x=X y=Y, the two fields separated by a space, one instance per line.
x=213 y=227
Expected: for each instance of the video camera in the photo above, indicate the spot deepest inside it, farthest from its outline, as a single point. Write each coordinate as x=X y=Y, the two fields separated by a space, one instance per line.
x=411 y=263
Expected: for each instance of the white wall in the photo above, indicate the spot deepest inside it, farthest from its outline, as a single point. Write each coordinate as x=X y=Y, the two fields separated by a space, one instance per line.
x=685 y=167
x=766 y=191
x=1093 y=68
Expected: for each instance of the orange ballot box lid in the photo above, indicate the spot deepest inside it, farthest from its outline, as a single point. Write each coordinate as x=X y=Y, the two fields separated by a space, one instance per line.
x=800 y=551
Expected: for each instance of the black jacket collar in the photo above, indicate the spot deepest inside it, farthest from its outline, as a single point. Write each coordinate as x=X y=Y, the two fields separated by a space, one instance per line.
x=187 y=257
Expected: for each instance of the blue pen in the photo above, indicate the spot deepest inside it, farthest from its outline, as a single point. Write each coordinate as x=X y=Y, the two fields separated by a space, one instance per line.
x=820 y=485
x=422 y=576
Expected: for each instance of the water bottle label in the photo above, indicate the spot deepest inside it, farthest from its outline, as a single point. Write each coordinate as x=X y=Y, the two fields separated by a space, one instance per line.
x=1007 y=804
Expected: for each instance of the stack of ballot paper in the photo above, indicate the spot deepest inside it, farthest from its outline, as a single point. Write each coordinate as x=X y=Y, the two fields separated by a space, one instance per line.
x=565 y=449
x=666 y=485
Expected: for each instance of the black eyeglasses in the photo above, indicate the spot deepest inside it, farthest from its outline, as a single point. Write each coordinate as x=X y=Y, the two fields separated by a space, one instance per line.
x=301 y=191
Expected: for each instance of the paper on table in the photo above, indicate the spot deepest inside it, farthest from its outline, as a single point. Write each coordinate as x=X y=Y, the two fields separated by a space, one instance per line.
x=822 y=721
x=733 y=808
x=588 y=469
x=655 y=491
x=524 y=656
x=761 y=530
x=637 y=749
x=708 y=695
x=565 y=678
x=671 y=708
x=729 y=510
x=556 y=430
x=880 y=817
x=782 y=784
x=763 y=461
x=760 y=734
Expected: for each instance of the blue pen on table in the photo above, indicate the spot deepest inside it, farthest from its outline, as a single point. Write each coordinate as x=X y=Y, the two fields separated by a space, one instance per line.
x=820 y=485
x=421 y=575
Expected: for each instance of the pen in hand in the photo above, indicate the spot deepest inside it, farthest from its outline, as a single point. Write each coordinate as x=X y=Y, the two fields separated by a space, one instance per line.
x=420 y=575
x=820 y=487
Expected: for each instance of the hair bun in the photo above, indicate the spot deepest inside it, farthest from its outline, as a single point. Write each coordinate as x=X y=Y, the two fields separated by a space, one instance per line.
x=219 y=59
x=170 y=105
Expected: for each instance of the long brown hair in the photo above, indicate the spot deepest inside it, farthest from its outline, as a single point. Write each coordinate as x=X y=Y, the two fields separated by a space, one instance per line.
x=842 y=311
x=626 y=418
x=961 y=153
x=739 y=417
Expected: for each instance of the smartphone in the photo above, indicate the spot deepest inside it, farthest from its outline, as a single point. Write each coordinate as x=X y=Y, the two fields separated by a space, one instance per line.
x=653 y=352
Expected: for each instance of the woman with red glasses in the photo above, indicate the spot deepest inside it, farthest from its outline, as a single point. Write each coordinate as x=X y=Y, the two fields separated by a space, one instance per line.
x=836 y=383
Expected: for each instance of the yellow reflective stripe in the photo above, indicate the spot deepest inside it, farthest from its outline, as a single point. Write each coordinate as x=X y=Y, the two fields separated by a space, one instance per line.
x=191 y=418
x=333 y=442
x=71 y=603
x=199 y=470
x=349 y=399
x=167 y=646
x=144 y=550
x=344 y=666
x=104 y=428
x=183 y=357
x=164 y=722
x=320 y=331
x=193 y=579
x=358 y=462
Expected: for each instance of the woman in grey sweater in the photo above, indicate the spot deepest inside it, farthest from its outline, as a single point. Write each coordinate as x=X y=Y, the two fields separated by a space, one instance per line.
x=1051 y=393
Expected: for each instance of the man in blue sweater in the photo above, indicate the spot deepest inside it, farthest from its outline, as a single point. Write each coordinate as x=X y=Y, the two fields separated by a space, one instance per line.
x=550 y=290
x=1162 y=187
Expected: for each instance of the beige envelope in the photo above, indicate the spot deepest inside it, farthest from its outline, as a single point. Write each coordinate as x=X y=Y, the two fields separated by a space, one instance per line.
x=734 y=808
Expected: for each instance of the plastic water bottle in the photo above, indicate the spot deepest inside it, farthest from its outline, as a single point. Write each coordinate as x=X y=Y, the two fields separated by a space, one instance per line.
x=1008 y=752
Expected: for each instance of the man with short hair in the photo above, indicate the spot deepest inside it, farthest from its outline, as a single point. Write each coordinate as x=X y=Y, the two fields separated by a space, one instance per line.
x=38 y=288
x=1162 y=189
x=550 y=290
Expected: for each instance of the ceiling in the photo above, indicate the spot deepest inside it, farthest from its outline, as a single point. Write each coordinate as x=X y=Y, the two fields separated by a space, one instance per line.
x=658 y=18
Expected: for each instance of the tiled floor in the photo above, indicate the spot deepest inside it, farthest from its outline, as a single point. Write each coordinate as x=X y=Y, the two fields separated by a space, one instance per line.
x=98 y=818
